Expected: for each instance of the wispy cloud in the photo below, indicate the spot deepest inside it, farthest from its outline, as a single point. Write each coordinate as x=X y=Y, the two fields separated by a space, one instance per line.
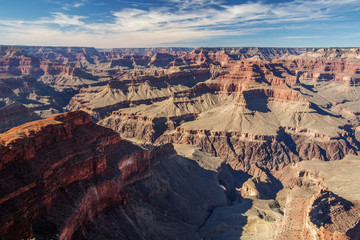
x=64 y=20
x=301 y=37
x=57 y=18
x=75 y=4
x=189 y=20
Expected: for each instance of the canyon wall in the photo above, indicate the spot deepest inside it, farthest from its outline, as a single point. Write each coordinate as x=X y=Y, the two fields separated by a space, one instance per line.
x=65 y=177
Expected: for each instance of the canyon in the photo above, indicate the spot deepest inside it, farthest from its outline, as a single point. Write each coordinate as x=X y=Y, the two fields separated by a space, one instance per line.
x=179 y=143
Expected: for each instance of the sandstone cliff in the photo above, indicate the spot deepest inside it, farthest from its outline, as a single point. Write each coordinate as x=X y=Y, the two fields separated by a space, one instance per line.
x=66 y=178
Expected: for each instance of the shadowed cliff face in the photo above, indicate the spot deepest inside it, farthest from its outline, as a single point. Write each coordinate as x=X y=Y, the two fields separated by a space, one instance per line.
x=66 y=178
x=14 y=114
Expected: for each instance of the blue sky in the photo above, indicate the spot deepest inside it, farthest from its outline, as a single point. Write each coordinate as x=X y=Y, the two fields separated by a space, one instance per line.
x=180 y=23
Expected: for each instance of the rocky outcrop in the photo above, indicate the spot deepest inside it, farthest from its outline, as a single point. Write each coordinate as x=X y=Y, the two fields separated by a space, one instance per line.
x=335 y=216
x=67 y=178
x=326 y=202
x=14 y=114
x=245 y=151
x=52 y=155
x=18 y=64
x=254 y=72
x=338 y=65
x=162 y=59
x=142 y=89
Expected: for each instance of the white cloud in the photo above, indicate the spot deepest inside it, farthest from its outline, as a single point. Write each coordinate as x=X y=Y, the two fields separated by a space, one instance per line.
x=301 y=37
x=184 y=4
x=75 y=4
x=66 y=20
x=191 y=20
x=58 y=18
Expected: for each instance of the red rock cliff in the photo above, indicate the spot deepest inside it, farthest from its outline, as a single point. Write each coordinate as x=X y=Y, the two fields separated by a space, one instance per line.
x=58 y=173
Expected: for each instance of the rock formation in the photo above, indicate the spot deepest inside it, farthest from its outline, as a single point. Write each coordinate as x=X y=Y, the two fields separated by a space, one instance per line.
x=335 y=214
x=240 y=117
x=263 y=127
x=324 y=195
x=66 y=178
x=14 y=114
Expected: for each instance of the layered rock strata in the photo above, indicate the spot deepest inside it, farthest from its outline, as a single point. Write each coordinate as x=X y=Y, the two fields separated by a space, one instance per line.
x=262 y=110
x=14 y=114
x=66 y=178
x=255 y=114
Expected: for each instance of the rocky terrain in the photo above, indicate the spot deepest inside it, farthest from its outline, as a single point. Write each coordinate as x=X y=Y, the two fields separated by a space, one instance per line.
x=72 y=179
x=14 y=114
x=254 y=113
x=265 y=143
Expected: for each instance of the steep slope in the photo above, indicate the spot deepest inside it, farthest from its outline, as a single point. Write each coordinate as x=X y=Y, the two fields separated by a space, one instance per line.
x=66 y=178
x=325 y=197
x=136 y=89
x=14 y=114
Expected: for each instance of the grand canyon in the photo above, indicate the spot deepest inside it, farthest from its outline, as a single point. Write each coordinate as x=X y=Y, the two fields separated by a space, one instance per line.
x=179 y=143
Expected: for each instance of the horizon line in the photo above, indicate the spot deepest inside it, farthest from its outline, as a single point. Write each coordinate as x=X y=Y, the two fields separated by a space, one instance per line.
x=157 y=47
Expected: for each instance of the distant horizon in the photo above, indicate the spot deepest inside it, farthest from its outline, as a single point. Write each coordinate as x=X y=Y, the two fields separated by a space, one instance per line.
x=181 y=23
x=159 y=47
